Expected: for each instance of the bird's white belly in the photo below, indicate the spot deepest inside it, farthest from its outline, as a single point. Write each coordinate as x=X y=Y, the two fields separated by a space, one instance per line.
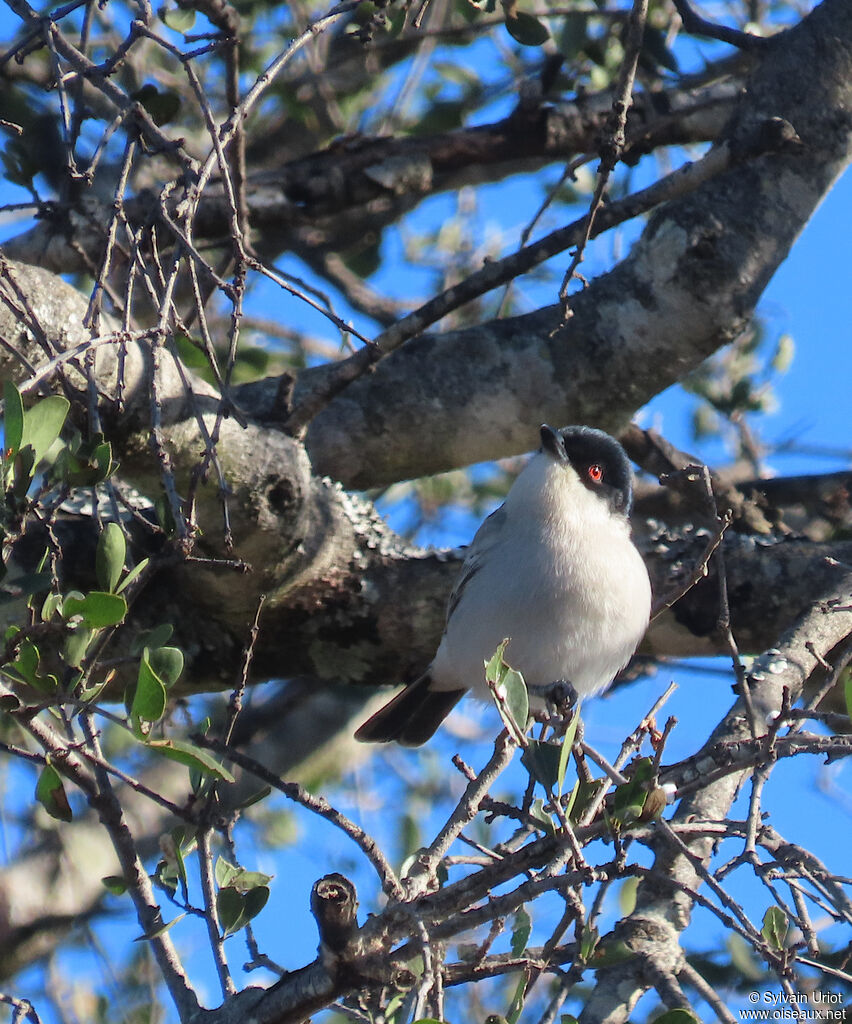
x=562 y=631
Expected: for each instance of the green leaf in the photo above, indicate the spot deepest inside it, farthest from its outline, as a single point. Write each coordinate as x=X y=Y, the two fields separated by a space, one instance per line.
x=178 y=840
x=655 y=51
x=630 y=797
x=677 y=1016
x=365 y=259
x=185 y=753
x=51 y=603
x=89 y=694
x=160 y=928
x=495 y=666
x=164 y=515
x=24 y=468
x=97 y=609
x=18 y=166
x=84 y=464
x=101 y=459
x=517 y=1005
x=50 y=793
x=26 y=663
x=236 y=909
x=526 y=29
x=522 y=927
x=742 y=957
x=627 y=896
x=229 y=908
x=180 y=19
x=13 y=418
x=847 y=693
x=224 y=872
x=784 y=352
x=109 y=557
x=167 y=663
x=541 y=760
x=43 y=424
x=572 y=799
x=152 y=638
x=75 y=646
x=541 y=817
x=228 y=874
x=252 y=880
x=24 y=669
x=510 y=691
x=190 y=353
x=588 y=942
x=582 y=795
x=255 y=901
x=149 y=698
x=610 y=953
x=517 y=699
x=775 y=927
x=575 y=29
x=162 y=106
x=131 y=576
x=114 y=884
x=165 y=877
x=567 y=747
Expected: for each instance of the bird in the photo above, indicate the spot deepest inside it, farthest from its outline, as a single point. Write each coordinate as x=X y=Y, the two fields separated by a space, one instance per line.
x=554 y=569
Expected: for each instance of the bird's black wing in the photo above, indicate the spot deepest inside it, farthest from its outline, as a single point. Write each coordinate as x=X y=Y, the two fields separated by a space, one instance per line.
x=412 y=716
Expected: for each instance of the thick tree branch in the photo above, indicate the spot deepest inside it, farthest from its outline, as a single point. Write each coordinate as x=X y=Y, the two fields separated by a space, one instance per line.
x=689 y=285
x=330 y=199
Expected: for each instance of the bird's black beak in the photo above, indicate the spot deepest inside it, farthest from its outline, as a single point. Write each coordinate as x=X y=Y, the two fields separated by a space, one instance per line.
x=551 y=442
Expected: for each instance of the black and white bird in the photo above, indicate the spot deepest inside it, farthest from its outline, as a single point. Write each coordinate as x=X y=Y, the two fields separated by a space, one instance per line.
x=554 y=569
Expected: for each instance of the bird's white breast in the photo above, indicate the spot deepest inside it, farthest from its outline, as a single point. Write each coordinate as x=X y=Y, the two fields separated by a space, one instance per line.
x=561 y=578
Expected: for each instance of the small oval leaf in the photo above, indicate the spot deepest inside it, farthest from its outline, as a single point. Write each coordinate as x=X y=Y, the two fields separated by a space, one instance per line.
x=43 y=423
x=110 y=555
x=149 y=700
x=775 y=927
x=97 y=609
x=526 y=29
x=521 y=930
x=191 y=756
x=50 y=793
x=13 y=418
x=167 y=662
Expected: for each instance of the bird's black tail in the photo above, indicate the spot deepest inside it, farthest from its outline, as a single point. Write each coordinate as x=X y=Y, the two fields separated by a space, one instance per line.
x=412 y=716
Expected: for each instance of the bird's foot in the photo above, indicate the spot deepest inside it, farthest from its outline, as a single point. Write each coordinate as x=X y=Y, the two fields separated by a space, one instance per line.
x=557 y=696
x=560 y=699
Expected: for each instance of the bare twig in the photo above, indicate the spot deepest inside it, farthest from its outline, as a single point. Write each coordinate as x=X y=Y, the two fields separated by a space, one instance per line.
x=696 y=25
x=298 y=794
x=613 y=140
x=211 y=915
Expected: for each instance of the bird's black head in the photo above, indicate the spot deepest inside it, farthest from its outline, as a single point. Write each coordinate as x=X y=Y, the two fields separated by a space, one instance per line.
x=598 y=460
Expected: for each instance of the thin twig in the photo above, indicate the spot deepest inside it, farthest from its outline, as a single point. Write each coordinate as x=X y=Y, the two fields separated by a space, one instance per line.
x=690 y=976
x=211 y=916
x=696 y=25
x=466 y=810
x=614 y=138
x=318 y=805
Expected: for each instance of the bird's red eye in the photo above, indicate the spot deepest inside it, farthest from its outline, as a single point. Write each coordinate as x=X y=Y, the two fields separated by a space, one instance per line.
x=595 y=473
